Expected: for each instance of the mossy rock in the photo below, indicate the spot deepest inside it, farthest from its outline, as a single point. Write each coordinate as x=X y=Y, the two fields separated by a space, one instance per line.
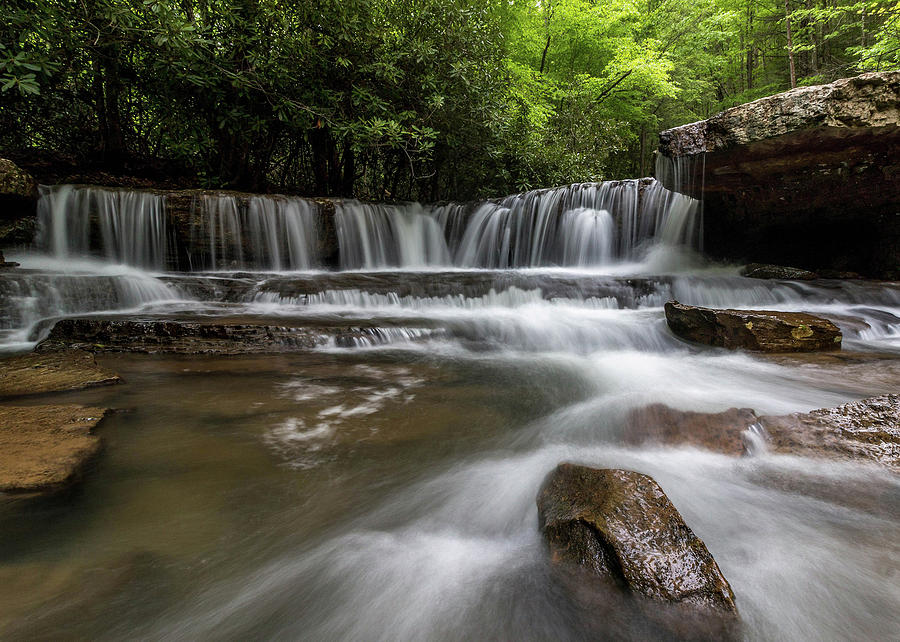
x=16 y=182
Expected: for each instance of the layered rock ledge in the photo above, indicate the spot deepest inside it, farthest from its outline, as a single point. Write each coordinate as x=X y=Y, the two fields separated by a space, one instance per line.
x=46 y=448
x=34 y=374
x=757 y=330
x=229 y=336
x=807 y=177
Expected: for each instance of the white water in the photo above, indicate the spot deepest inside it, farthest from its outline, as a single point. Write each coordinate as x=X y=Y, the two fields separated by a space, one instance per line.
x=448 y=548
x=588 y=224
x=130 y=225
x=262 y=233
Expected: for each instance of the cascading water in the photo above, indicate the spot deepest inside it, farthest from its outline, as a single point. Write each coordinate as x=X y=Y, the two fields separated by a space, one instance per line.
x=588 y=236
x=394 y=468
x=379 y=236
x=129 y=226
x=262 y=233
x=534 y=229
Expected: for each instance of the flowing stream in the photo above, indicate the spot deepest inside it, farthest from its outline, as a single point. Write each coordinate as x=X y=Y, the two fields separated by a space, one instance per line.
x=386 y=490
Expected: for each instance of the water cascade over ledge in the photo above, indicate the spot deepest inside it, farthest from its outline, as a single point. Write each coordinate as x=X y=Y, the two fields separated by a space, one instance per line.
x=581 y=225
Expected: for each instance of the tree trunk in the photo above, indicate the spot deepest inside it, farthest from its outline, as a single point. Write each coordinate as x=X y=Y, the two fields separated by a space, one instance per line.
x=320 y=145
x=790 y=44
x=544 y=55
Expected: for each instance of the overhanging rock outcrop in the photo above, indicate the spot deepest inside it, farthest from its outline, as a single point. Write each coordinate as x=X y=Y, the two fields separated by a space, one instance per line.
x=809 y=177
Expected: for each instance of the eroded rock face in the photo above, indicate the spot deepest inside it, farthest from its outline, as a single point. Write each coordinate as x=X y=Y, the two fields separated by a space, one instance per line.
x=620 y=526
x=15 y=181
x=46 y=448
x=807 y=177
x=33 y=373
x=757 y=330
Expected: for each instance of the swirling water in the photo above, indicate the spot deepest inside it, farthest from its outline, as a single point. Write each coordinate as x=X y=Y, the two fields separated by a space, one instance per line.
x=388 y=492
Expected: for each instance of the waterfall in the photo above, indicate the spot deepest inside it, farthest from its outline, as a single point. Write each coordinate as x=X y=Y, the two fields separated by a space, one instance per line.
x=262 y=232
x=129 y=226
x=673 y=218
x=282 y=232
x=587 y=224
x=588 y=236
x=378 y=236
x=579 y=225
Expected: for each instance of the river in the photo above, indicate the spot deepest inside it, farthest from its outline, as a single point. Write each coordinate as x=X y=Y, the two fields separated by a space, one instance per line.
x=386 y=490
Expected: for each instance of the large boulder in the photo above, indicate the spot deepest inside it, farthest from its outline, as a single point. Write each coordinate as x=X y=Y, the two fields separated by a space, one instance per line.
x=807 y=177
x=757 y=330
x=46 y=448
x=621 y=527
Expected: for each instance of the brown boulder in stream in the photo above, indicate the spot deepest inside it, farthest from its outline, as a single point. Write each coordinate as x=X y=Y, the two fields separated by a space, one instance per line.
x=757 y=330
x=620 y=526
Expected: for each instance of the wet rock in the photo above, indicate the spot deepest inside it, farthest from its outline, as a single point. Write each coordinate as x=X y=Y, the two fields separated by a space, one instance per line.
x=865 y=430
x=18 y=232
x=766 y=271
x=807 y=177
x=627 y=292
x=621 y=527
x=757 y=330
x=46 y=448
x=717 y=431
x=220 y=336
x=868 y=429
x=39 y=373
x=6 y=264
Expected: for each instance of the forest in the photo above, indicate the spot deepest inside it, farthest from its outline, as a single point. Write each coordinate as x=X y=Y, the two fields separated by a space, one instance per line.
x=406 y=99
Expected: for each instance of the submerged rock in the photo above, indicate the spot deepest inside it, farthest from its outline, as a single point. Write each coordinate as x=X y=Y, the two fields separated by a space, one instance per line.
x=33 y=374
x=46 y=448
x=865 y=430
x=620 y=526
x=718 y=431
x=758 y=330
x=809 y=177
x=220 y=336
x=766 y=271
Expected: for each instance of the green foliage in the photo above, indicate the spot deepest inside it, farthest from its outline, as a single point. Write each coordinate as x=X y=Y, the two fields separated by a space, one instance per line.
x=427 y=99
